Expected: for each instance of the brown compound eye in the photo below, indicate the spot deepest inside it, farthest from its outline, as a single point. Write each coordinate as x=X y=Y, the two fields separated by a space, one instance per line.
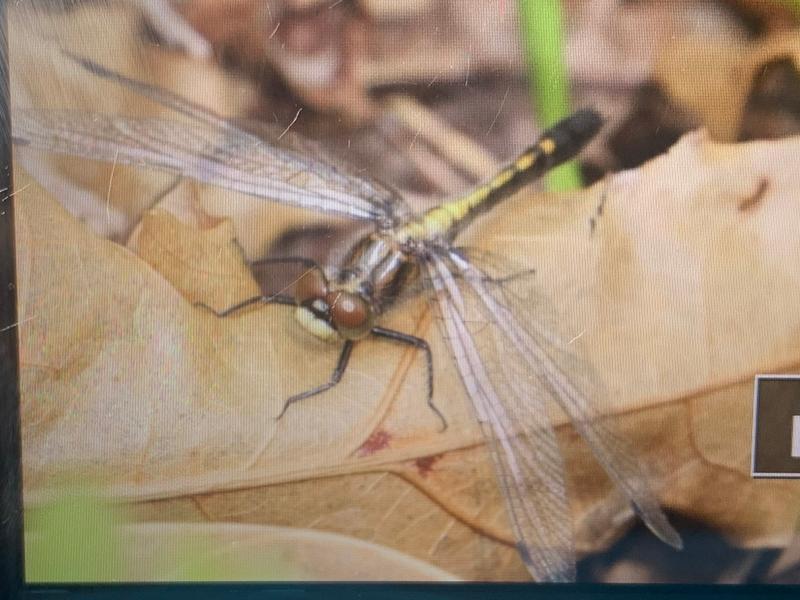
x=311 y=286
x=350 y=314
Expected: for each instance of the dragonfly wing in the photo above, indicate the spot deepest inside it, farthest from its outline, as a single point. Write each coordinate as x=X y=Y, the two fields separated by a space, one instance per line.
x=567 y=381
x=209 y=148
x=525 y=451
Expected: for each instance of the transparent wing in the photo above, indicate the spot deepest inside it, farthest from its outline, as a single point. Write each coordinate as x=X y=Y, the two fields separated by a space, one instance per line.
x=208 y=148
x=527 y=459
x=530 y=367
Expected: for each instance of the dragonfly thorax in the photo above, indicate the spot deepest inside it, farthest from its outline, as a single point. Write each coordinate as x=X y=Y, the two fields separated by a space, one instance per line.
x=347 y=305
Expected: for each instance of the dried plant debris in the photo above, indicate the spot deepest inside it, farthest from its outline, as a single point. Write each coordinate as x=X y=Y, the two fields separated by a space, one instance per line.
x=773 y=105
x=665 y=293
x=653 y=125
x=762 y=18
x=737 y=89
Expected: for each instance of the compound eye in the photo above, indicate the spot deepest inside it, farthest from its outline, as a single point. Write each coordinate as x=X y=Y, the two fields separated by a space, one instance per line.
x=350 y=314
x=311 y=286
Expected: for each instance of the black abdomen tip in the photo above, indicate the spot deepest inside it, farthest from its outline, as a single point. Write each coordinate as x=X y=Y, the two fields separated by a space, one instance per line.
x=584 y=123
x=573 y=133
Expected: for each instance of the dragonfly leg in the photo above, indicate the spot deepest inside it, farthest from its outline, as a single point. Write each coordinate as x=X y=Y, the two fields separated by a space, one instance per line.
x=286 y=300
x=336 y=376
x=465 y=253
x=515 y=275
x=306 y=262
x=273 y=299
x=411 y=340
x=279 y=297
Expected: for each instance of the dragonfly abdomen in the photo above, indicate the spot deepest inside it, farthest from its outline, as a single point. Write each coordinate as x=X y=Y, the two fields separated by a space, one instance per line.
x=555 y=146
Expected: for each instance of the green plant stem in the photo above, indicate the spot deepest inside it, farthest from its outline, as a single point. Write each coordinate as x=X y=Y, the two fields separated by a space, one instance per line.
x=541 y=22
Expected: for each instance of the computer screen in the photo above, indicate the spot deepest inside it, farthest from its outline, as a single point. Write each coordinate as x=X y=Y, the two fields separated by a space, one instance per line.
x=407 y=291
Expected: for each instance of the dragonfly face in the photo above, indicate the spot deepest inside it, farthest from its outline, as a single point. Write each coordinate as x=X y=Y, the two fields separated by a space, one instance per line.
x=374 y=271
x=330 y=313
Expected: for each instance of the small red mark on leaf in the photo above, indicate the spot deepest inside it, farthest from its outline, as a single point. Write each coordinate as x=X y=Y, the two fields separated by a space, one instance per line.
x=378 y=440
x=425 y=464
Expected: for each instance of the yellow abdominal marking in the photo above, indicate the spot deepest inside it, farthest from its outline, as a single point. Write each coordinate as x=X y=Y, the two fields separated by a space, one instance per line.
x=316 y=326
x=547 y=145
x=526 y=161
x=438 y=221
x=441 y=219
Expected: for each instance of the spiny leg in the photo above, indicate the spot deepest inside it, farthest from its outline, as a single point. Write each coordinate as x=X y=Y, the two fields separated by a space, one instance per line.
x=336 y=376
x=511 y=277
x=302 y=260
x=344 y=358
x=274 y=299
x=285 y=300
x=464 y=253
x=411 y=340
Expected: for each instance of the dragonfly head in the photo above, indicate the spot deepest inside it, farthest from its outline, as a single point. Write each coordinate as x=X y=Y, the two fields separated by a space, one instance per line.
x=331 y=314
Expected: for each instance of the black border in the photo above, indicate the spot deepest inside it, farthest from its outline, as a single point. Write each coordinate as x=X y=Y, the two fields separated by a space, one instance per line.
x=401 y=591
x=11 y=543
x=789 y=475
x=11 y=528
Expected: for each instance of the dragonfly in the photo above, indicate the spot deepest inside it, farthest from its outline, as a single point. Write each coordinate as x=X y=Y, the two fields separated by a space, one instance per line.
x=512 y=364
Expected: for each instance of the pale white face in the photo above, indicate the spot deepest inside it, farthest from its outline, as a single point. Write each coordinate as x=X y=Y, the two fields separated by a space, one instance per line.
x=317 y=327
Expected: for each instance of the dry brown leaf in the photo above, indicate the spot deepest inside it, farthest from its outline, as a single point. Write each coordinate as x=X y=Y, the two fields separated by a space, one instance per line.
x=714 y=77
x=680 y=288
x=332 y=56
x=383 y=507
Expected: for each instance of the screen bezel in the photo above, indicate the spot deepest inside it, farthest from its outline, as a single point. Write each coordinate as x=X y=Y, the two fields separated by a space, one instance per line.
x=12 y=582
